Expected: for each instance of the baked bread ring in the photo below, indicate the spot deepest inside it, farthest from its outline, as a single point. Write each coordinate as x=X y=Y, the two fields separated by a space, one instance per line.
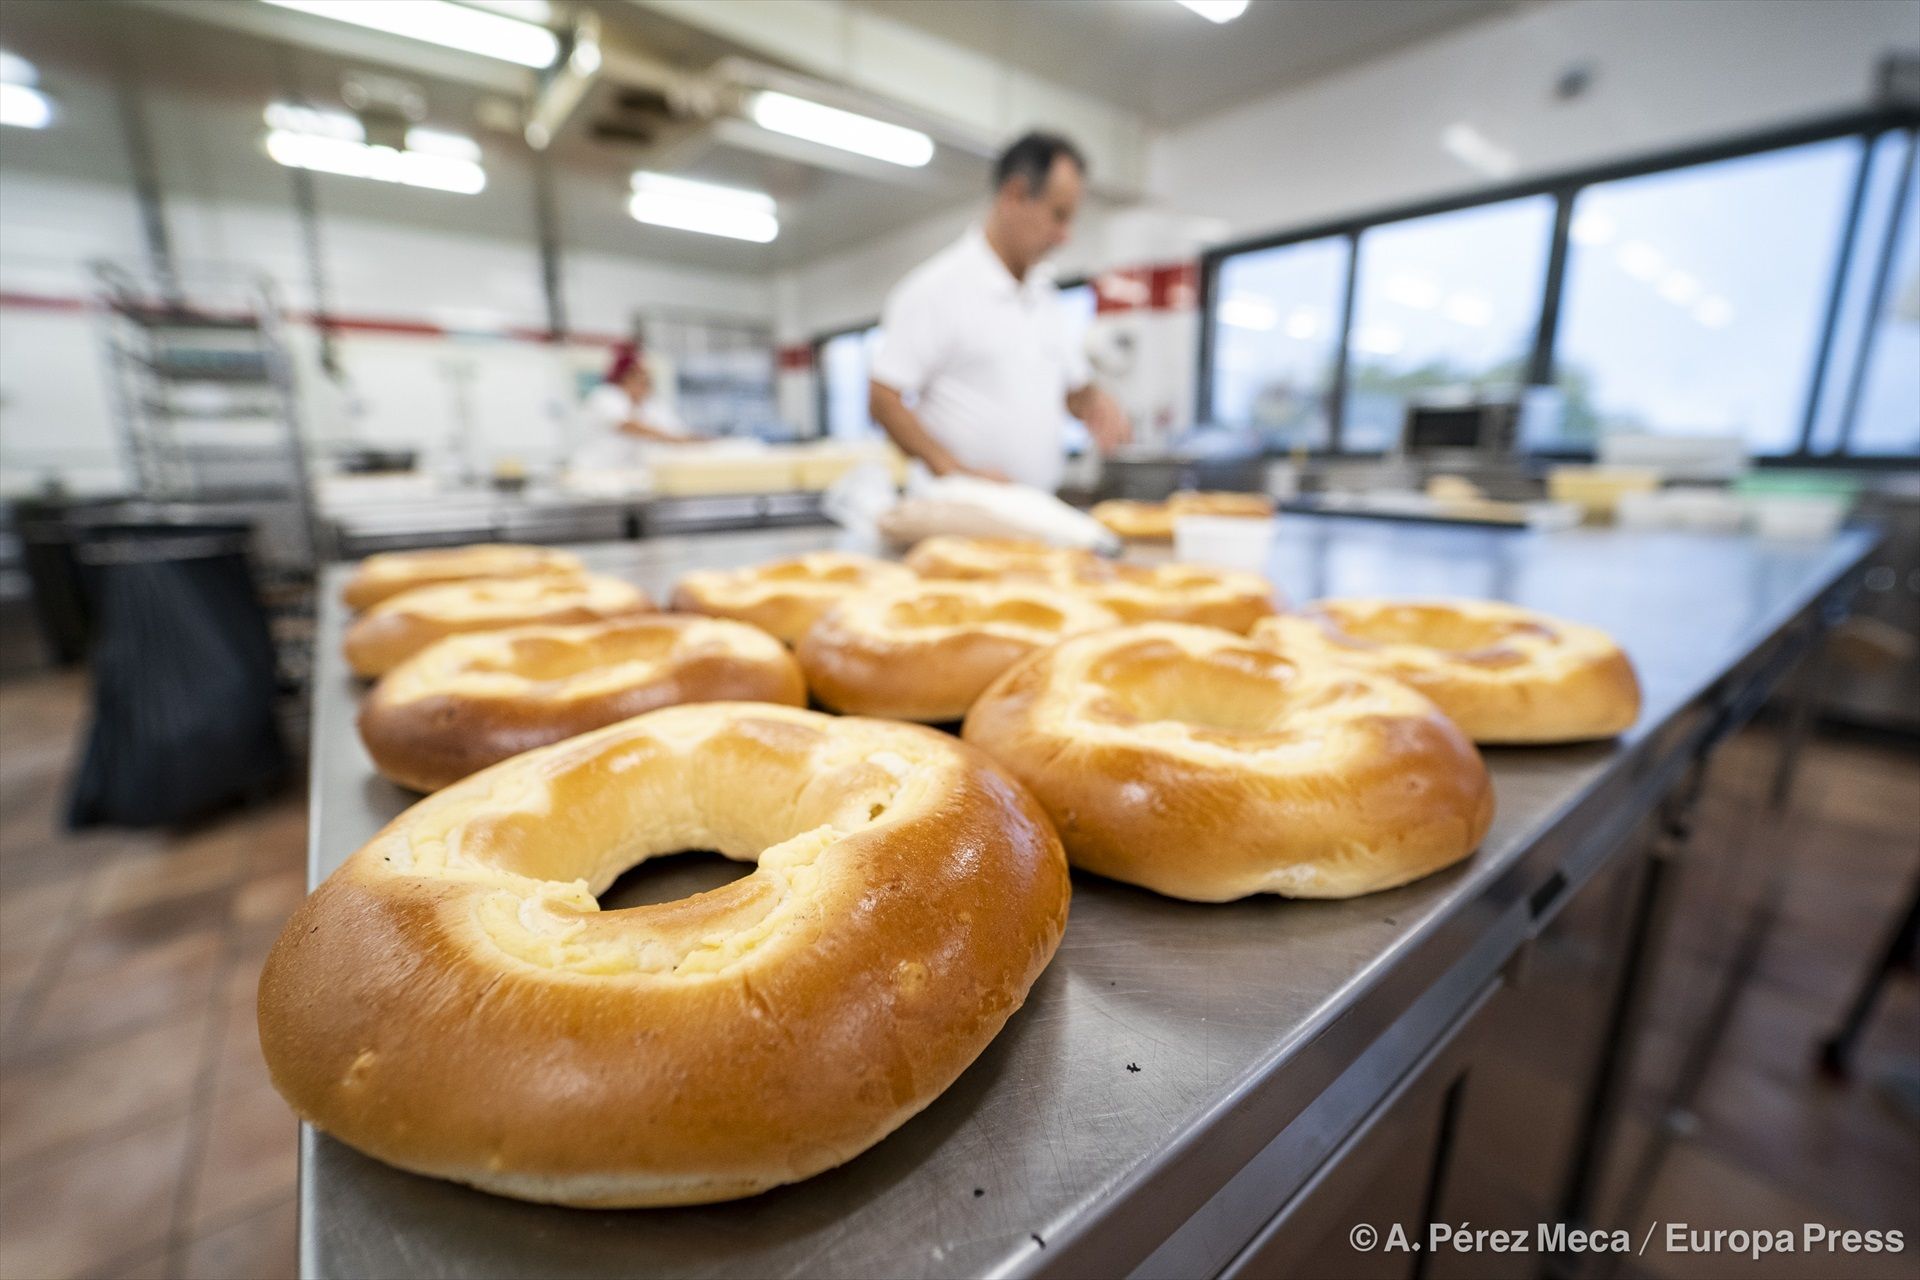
x=1195 y=593
x=453 y=1001
x=1153 y=521
x=469 y=701
x=952 y=556
x=397 y=628
x=391 y=572
x=925 y=652
x=1203 y=766
x=1503 y=673
x=787 y=596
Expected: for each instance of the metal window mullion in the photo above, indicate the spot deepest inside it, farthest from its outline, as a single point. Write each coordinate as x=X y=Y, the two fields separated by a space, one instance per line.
x=1337 y=391
x=1877 y=298
x=1836 y=296
x=1547 y=332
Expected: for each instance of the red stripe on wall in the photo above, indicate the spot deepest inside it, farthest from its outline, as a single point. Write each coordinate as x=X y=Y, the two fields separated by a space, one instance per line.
x=393 y=326
x=1165 y=286
x=797 y=358
x=42 y=302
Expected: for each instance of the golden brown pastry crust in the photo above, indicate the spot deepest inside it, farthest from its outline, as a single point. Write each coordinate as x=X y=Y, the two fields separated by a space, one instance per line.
x=1502 y=673
x=398 y=627
x=1153 y=521
x=785 y=597
x=470 y=701
x=452 y=1000
x=387 y=574
x=925 y=651
x=1198 y=764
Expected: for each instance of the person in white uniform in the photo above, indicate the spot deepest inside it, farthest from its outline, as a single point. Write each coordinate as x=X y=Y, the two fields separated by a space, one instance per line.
x=975 y=363
x=626 y=418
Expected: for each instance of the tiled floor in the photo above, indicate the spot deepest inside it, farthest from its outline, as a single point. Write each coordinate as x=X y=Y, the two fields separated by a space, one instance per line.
x=139 y=1135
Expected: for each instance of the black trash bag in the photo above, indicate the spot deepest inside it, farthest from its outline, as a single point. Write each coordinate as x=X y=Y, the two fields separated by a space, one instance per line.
x=184 y=678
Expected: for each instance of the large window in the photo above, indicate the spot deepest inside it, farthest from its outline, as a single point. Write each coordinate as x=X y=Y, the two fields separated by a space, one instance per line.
x=1768 y=289
x=1443 y=305
x=843 y=361
x=1695 y=299
x=1276 y=335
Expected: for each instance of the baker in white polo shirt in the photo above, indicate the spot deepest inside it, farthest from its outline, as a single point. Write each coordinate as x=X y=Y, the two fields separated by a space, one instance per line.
x=975 y=363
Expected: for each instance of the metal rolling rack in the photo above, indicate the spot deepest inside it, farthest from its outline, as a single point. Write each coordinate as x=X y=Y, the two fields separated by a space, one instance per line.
x=204 y=395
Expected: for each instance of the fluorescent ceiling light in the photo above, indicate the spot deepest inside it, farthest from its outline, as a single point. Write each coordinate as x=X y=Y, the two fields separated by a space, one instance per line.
x=685 y=205
x=1477 y=151
x=15 y=69
x=380 y=164
x=1243 y=311
x=440 y=22
x=1215 y=10
x=24 y=107
x=319 y=122
x=832 y=127
x=525 y=10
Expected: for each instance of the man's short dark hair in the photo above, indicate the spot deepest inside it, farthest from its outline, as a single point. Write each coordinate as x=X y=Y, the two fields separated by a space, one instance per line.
x=1031 y=157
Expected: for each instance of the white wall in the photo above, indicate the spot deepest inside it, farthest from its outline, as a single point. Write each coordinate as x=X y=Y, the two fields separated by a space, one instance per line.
x=1666 y=73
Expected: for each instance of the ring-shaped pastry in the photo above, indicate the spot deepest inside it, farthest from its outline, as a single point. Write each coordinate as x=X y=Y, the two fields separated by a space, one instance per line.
x=1503 y=673
x=470 y=701
x=398 y=627
x=924 y=652
x=1193 y=762
x=453 y=1001
x=785 y=597
x=387 y=574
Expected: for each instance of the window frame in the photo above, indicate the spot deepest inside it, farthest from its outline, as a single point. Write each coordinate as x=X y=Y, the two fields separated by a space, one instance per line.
x=1565 y=188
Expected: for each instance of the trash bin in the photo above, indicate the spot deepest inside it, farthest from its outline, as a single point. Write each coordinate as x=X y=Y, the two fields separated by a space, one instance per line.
x=184 y=679
x=49 y=529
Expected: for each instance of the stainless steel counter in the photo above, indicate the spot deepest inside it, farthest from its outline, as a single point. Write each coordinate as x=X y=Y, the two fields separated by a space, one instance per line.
x=1262 y=1031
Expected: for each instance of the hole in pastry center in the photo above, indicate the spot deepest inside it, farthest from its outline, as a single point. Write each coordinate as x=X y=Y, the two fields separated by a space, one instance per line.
x=672 y=877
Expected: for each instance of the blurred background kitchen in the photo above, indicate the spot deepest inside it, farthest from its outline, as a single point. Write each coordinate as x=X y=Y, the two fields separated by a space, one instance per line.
x=297 y=280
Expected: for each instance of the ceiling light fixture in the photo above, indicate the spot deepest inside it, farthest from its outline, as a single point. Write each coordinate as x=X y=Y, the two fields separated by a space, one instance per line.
x=22 y=105
x=334 y=142
x=1215 y=10
x=832 y=127
x=685 y=205
x=455 y=26
x=1477 y=151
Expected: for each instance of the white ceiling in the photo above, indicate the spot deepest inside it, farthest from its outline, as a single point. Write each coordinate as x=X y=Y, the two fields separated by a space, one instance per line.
x=1171 y=66
x=207 y=82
